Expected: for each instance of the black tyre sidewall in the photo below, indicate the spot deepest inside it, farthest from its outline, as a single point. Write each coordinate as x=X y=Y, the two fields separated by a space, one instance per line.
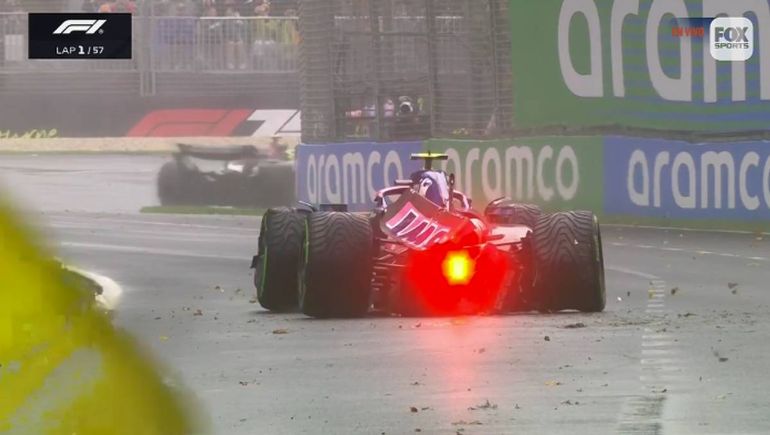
x=568 y=275
x=169 y=184
x=337 y=256
x=275 y=275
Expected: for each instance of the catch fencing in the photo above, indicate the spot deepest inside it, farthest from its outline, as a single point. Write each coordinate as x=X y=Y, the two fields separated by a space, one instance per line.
x=393 y=70
x=172 y=55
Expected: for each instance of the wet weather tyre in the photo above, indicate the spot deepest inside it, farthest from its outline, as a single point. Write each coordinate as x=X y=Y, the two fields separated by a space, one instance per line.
x=336 y=268
x=511 y=213
x=568 y=261
x=277 y=261
x=170 y=184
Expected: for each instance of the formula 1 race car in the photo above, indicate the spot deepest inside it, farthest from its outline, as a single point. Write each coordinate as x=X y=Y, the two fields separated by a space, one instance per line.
x=240 y=176
x=424 y=251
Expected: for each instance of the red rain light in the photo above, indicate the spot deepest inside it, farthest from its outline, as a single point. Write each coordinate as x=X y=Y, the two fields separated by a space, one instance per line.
x=458 y=267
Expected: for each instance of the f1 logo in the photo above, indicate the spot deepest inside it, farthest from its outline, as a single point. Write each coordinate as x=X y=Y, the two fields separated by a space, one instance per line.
x=88 y=26
x=731 y=39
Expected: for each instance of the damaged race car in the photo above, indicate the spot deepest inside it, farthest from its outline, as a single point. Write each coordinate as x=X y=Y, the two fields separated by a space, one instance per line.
x=423 y=250
x=241 y=176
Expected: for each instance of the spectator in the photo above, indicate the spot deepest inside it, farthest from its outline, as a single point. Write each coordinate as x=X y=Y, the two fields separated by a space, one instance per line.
x=262 y=9
x=182 y=36
x=89 y=6
x=205 y=7
x=124 y=6
x=119 y=6
x=10 y=6
x=234 y=29
x=210 y=37
x=244 y=7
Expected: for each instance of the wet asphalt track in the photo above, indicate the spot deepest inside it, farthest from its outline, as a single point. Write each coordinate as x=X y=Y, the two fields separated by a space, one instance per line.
x=686 y=361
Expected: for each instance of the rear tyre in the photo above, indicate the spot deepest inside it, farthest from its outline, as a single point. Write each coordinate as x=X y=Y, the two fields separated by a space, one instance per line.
x=336 y=265
x=170 y=184
x=277 y=261
x=507 y=212
x=568 y=261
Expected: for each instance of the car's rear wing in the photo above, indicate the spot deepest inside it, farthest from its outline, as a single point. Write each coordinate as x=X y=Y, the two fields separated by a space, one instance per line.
x=418 y=223
x=225 y=153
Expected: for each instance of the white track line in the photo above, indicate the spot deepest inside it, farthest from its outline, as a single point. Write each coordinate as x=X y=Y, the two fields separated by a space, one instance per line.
x=97 y=220
x=694 y=230
x=111 y=290
x=690 y=251
x=150 y=251
x=631 y=272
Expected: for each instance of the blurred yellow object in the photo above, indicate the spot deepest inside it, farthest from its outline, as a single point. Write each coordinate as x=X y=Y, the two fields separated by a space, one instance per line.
x=64 y=368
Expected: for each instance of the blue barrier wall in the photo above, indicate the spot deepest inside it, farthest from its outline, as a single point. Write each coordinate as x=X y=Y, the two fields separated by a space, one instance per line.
x=351 y=173
x=680 y=180
x=663 y=181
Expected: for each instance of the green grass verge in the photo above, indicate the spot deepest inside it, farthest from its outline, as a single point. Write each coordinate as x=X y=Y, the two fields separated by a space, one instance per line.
x=211 y=210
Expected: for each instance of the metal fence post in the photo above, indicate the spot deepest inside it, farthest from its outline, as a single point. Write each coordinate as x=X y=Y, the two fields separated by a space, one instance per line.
x=430 y=23
x=376 y=43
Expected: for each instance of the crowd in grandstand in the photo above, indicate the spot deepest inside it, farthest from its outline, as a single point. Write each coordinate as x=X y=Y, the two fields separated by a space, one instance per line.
x=225 y=34
x=243 y=8
x=109 y=6
x=222 y=8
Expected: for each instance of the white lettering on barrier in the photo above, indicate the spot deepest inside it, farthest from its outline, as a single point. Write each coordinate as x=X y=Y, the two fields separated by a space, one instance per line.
x=660 y=162
x=567 y=155
x=515 y=160
x=392 y=159
x=591 y=85
x=456 y=168
x=311 y=180
x=716 y=162
x=582 y=85
x=684 y=160
x=621 y=9
x=766 y=182
x=350 y=178
x=491 y=155
x=374 y=159
x=638 y=160
x=751 y=202
x=714 y=177
x=354 y=178
x=669 y=88
x=332 y=164
x=519 y=174
x=473 y=156
x=546 y=193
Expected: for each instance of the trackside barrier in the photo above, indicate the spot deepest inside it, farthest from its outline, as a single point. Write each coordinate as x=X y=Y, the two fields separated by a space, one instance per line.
x=679 y=180
x=351 y=173
x=623 y=179
x=554 y=172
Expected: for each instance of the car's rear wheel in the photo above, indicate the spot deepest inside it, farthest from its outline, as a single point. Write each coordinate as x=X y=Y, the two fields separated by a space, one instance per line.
x=277 y=261
x=507 y=212
x=170 y=184
x=336 y=265
x=569 y=263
